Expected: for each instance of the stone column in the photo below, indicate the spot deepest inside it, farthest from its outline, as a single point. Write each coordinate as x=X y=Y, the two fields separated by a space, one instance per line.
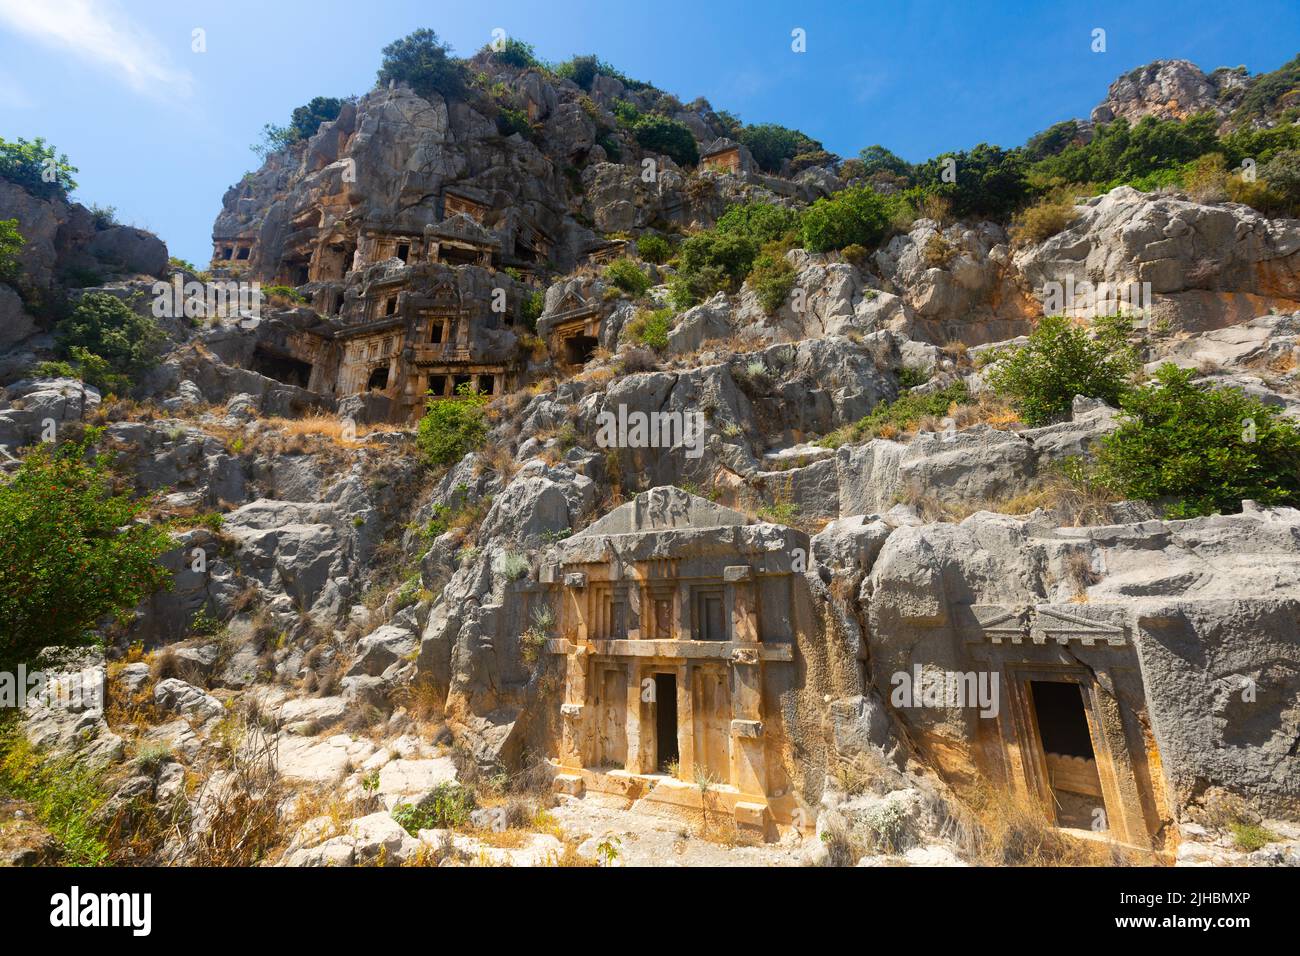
x=748 y=766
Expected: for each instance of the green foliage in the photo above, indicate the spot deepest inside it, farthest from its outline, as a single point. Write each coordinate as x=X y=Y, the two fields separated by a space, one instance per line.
x=877 y=159
x=109 y=341
x=772 y=278
x=447 y=807
x=1119 y=153
x=510 y=121
x=11 y=244
x=771 y=145
x=303 y=124
x=721 y=258
x=583 y=70
x=66 y=795
x=452 y=427
x=530 y=309
x=854 y=216
x=1203 y=448
x=421 y=60
x=283 y=292
x=53 y=370
x=651 y=328
x=71 y=552
x=626 y=113
x=663 y=135
x=1267 y=92
x=760 y=222
x=37 y=167
x=989 y=181
x=1062 y=360
x=1282 y=173
x=654 y=248
x=516 y=52
x=1251 y=836
x=626 y=275
x=176 y=262
x=903 y=414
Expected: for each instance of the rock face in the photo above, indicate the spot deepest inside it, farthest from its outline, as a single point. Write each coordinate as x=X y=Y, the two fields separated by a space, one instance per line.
x=1171 y=89
x=1204 y=266
x=1178 y=631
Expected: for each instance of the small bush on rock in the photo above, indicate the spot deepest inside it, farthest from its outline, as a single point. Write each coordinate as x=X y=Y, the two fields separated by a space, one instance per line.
x=626 y=275
x=109 y=341
x=1062 y=360
x=452 y=427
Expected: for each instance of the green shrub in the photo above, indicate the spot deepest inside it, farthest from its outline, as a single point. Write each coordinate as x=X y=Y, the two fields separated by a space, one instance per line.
x=283 y=292
x=530 y=309
x=303 y=124
x=66 y=795
x=516 y=52
x=653 y=248
x=1044 y=219
x=854 y=216
x=626 y=113
x=452 y=427
x=510 y=121
x=11 y=244
x=421 y=60
x=909 y=409
x=651 y=328
x=109 y=341
x=71 y=552
x=760 y=222
x=626 y=275
x=447 y=807
x=36 y=167
x=1062 y=360
x=772 y=278
x=1205 y=448
x=659 y=134
x=771 y=145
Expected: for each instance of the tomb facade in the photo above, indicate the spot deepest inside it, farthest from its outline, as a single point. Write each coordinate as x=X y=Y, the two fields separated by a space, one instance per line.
x=676 y=622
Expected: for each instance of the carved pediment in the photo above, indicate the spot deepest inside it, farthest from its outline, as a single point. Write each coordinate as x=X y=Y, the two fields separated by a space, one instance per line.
x=1041 y=623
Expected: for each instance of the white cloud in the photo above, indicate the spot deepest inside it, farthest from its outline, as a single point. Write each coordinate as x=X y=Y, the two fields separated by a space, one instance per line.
x=101 y=34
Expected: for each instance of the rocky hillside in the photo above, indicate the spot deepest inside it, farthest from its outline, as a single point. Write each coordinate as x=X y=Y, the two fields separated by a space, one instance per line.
x=899 y=434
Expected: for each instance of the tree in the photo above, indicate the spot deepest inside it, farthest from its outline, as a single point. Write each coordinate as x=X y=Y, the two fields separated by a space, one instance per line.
x=1060 y=361
x=660 y=134
x=877 y=159
x=771 y=145
x=109 y=341
x=1204 y=449
x=38 y=168
x=71 y=553
x=452 y=427
x=421 y=60
x=303 y=124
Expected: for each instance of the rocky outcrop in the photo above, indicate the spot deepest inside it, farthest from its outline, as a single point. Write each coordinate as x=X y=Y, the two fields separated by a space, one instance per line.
x=1171 y=89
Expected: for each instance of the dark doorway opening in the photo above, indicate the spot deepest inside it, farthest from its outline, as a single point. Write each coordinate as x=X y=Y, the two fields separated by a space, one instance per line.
x=438 y=385
x=578 y=349
x=666 y=722
x=1062 y=724
x=282 y=368
x=435 y=332
x=378 y=378
x=403 y=251
x=243 y=253
x=487 y=384
x=460 y=380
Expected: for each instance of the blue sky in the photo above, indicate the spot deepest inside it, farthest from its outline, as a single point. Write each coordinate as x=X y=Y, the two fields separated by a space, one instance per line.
x=160 y=131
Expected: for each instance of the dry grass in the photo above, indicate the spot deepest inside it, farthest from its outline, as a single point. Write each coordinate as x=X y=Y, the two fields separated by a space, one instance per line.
x=995 y=828
x=242 y=807
x=322 y=425
x=1069 y=502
